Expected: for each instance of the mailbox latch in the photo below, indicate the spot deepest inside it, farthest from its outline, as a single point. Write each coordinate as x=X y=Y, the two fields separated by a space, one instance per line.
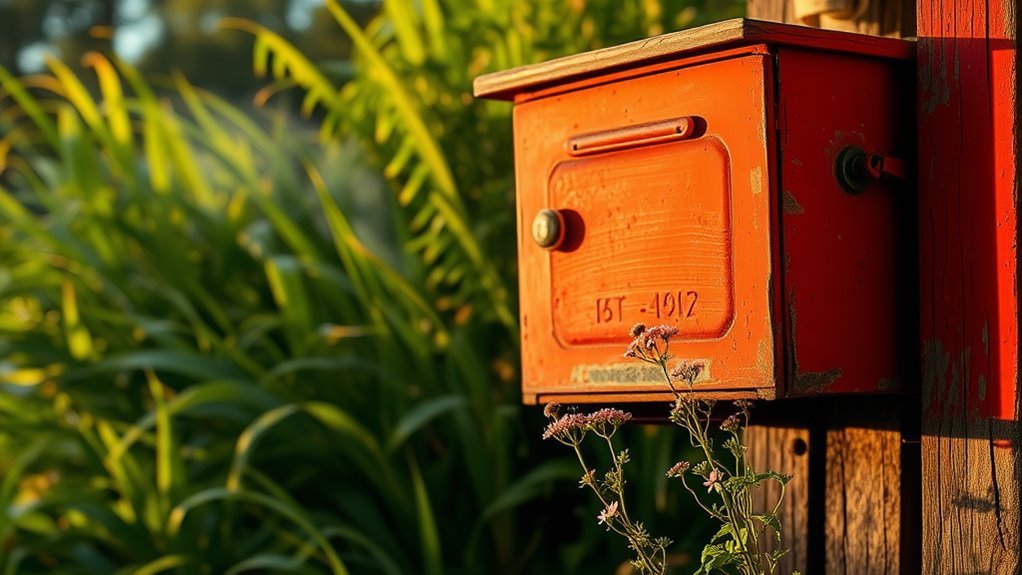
x=856 y=169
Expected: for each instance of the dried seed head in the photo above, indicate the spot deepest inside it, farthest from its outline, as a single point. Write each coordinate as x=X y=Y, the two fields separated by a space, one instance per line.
x=588 y=479
x=743 y=404
x=633 y=349
x=678 y=469
x=552 y=410
x=637 y=330
x=731 y=423
x=687 y=370
x=662 y=332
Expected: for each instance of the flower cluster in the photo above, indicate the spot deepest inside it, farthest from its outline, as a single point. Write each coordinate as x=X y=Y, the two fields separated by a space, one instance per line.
x=650 y=343
x=732 y=423
x=725 y=473
x=572 y=427
x=687 y=371
x=568 y=428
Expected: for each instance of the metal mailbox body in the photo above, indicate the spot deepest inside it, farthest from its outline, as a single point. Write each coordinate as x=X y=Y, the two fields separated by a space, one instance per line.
x=690 y=180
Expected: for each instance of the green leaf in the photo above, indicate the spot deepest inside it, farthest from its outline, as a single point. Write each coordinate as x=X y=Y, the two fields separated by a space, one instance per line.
x=429 y=539
x=290 y=512
x=724 y=531
x=162 y=564
x=249 y=439
x=420 y=416
x=267 y=562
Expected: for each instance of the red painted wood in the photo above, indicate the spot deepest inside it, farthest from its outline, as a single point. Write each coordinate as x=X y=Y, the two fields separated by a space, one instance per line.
x=968 y=211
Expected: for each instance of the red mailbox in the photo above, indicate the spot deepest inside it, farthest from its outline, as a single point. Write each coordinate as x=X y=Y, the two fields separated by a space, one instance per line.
x=742 y=181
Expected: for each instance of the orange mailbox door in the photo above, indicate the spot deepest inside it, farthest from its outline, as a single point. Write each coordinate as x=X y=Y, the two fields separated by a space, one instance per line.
x=662 y=184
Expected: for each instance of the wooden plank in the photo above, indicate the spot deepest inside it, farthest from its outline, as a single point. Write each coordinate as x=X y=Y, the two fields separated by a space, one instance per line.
x=863 y=501
x=785 y=450
x=971 y=507
x=739 y=31
x=968 y=180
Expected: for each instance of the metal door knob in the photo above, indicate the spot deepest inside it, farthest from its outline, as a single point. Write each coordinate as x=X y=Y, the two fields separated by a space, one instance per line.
x=548 y=229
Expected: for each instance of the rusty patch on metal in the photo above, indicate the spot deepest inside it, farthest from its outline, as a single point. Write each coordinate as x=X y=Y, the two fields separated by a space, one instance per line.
x=791 y=205
x=808 y=383
x=814 y=382
x=627 y=373
x=889 y=384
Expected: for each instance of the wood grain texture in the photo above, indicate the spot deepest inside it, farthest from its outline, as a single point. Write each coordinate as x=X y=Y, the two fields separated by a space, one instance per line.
x=863 y=501
x=740 y=31
x=968 y=196
x=785 y=450
x=971 y=507
x=891 y=18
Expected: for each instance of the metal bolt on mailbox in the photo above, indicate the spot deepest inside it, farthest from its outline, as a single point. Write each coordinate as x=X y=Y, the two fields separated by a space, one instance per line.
x=743 y=181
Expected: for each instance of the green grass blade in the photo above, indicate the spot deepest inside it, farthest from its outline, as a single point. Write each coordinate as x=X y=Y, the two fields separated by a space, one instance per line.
x=409 y=112
x=248 y=440
x=421 y=415
x=429 y=539
x=162 y=564
x=292 y=513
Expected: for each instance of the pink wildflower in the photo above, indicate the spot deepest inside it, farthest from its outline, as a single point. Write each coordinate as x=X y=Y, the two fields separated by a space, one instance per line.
x=661 y=332
x=712 y=480
x=607 y=514
x=609 y=416
x=567 y=428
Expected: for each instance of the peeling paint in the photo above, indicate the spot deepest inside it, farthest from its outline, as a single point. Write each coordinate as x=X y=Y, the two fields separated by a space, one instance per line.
x=756 y=180
x=935 y=364
x=814 y=382
x=808 y=383
x=889 y=384
x=933 y=81
x=791 y=205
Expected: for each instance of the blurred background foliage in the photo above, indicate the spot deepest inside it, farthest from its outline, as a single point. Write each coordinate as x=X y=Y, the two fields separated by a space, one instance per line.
x=257 y=305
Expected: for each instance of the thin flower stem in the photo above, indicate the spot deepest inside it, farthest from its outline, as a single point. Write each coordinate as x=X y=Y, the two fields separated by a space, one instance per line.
x=620 y=478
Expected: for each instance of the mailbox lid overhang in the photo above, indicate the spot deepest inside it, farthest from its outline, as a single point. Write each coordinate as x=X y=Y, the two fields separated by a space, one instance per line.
x=733 y=33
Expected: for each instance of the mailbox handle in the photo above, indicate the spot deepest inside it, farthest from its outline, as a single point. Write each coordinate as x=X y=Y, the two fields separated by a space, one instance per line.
x=639 y=135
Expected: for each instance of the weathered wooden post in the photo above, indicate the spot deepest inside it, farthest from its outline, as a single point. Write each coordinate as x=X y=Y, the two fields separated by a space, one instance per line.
x=828 y=228
x=968 y=180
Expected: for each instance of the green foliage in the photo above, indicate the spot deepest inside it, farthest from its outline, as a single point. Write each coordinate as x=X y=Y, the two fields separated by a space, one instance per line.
x=231 y=346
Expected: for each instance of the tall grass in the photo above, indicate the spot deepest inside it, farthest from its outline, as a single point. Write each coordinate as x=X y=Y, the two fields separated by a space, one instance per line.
x=228 y=346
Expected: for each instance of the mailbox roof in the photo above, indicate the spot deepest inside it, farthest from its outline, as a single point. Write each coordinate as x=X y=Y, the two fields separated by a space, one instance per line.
x=729 y=33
